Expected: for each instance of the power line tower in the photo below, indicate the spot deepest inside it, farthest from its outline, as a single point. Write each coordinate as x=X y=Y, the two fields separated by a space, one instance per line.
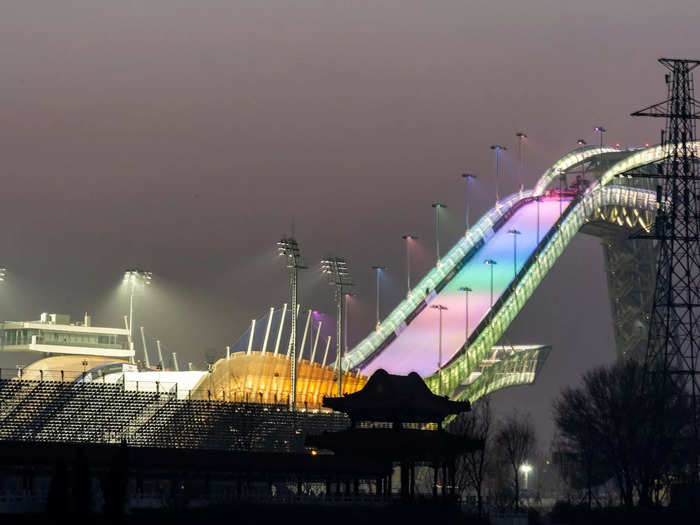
x=673 y=348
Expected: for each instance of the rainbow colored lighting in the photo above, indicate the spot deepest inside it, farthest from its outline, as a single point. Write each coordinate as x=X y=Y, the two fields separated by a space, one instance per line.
x=416 y=349
x=464 y=360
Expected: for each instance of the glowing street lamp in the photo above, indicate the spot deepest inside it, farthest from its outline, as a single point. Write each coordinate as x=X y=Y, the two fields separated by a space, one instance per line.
x=440 y=308
x=438 y=206
x=525 y=468
x=581 y=142
x=135 y=278
x=408 y=238
x=339 y=276
x=602 y=131
x=378 y=269
x=515 y=234
x=491 y=264
x=498 y=148
x=289 y=249
x=522 y=137
x=467 y=177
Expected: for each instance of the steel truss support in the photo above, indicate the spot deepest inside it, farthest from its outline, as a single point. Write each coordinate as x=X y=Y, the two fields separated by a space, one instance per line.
x=630 y=268
x=674 y=331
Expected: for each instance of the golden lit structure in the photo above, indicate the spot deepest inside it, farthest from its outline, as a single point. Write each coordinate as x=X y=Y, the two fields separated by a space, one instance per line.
x=258 y=377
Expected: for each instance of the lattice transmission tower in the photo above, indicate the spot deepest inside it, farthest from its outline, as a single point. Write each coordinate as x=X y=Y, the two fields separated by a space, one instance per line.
x=673 y=348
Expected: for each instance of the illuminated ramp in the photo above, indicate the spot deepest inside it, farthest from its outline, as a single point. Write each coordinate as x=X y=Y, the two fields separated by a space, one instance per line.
x=407 y=339
x=416 y=348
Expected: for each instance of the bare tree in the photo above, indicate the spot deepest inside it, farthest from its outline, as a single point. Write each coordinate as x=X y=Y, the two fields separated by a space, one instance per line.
x=472 y=467
x=515 y=441
x=622 y=424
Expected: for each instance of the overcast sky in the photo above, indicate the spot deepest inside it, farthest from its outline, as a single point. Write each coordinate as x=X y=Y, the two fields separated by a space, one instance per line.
x=184 y=136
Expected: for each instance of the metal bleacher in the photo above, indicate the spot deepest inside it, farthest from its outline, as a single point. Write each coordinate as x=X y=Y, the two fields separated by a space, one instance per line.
x=55 y=411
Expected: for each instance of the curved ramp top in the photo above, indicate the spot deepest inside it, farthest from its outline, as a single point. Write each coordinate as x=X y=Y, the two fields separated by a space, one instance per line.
x=490 y=238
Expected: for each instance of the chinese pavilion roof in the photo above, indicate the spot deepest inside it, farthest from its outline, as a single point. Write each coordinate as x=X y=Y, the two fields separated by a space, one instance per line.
x=400 y=399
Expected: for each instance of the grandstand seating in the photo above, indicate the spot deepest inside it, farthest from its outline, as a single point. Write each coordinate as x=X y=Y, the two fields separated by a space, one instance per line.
x=55 y=411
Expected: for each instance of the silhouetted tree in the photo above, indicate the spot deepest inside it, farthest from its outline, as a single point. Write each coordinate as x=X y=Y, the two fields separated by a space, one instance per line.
x=623 y=421
x=515 y=442
x=472 y=468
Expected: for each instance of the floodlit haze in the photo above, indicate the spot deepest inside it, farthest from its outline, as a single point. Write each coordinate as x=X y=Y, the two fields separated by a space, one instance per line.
x=183 y=137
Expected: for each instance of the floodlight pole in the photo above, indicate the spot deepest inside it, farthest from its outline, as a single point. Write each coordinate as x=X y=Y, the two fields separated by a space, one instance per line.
x=466 y=291
x=467 y=177
x=437 y=207
x=345 y=321
x=498 y=148
x=600 y=130
x=339 y=335
x=134 y=277
x=515 y=234
x=289 y=248
x=337 y=269
x=491 y=264
x=439 y=308
x=378 y=270
x=522 y=137
x=408 y=238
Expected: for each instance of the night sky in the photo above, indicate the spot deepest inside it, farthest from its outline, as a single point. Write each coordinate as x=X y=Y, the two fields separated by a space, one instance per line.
x=185 y=137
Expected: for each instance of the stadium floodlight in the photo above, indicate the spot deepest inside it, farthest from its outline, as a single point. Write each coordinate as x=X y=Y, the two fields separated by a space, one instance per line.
x=135 y=278
x=3 y=273
x=338 y=272
x=289 y=249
